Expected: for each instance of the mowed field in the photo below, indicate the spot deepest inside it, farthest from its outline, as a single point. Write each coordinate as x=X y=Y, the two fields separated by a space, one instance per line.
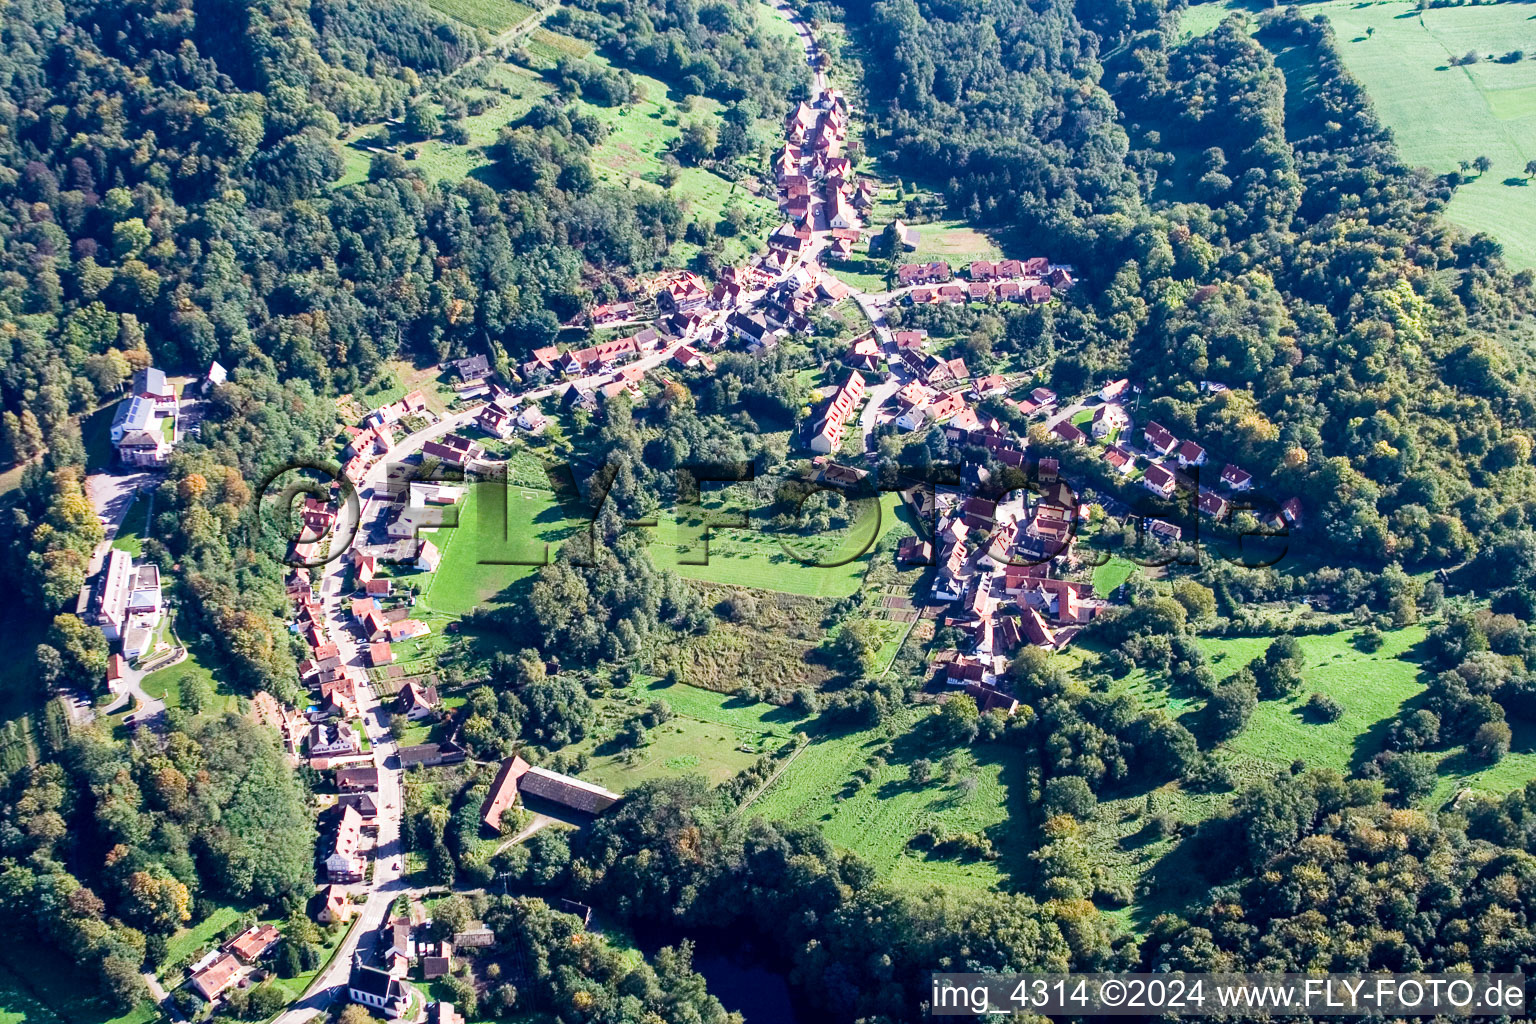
x=534 y=523
x=829 y=566
x=1440 y=114
x=526 y=528
x=491 y=15
x=711 y=734
x=878 y=819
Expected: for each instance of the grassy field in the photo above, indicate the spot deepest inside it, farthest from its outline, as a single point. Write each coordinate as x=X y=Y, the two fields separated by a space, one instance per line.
x=757 y=558
x=641 y=134
x=1371 y=687
x=1405 y=66
x=1442 y=114
x=712 y=734
x=631 y=156
x=133 y=529
x=491 y=15
x=878 y=819
x=166 y=684
x=35 y=988
x=533 y=519
x=1111 y=574
x=200 y=937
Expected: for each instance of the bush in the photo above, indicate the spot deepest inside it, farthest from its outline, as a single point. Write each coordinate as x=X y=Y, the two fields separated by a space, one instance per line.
x=1069 y=794
x=1323 y=707
x=1491 y=741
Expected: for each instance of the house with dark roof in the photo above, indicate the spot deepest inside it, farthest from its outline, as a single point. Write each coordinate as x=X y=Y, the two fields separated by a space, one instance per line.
x=1159 y=481
x=454 y=449
x=415 y=701
x=378 y=990
x=1159 y=438
x=1235 y=478
x=1191 y=454
x=428 y=755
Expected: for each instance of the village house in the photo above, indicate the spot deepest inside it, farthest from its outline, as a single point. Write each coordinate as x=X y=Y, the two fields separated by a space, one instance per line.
x=1191 y=454
x=1236 y=479
x=923 y=273
x=428 y=505
x=212 y=981
x=909 y=237
x=684 y=292
x=1115 y=390
x=378 y=990
x=1212 y=504
x=412 y=403
x=594 y=358
x=612 y=312
x=380 y=654
x=428 y=755
x=427 y=556
x=364 y=804
x=454 y=450
x=864 y=353
x=335 y=907
x=415 y=701
x=687 y=358
x=1109 y=418
x=1123 y=461
x=471 y=372
x=945 y=406
x=254 y=943
x=909 y=340
x=1159 y=439
x=827 y=435
x=333 y=739
x=914 y=551
x=541 y=360
x=496 y=418
x=1159 y=481
x=357 y=779
x=1067 y=432
x=345 y=864
x=531 y=419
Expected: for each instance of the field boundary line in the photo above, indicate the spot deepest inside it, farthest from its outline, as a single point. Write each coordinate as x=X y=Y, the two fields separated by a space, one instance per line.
x=768 y=782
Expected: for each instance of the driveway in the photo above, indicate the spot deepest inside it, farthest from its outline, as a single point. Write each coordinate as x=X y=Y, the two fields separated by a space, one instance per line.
x=112 y=494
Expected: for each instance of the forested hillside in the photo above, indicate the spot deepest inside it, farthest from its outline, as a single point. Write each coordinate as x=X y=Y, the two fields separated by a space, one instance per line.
x=1238 y=230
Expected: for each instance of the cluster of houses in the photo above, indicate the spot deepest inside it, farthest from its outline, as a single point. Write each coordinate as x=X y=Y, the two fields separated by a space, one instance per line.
x=995 y=563
x=125 y=602
x=1033 y=280
x=235 y=962
x=812 y=169
x=405 y=943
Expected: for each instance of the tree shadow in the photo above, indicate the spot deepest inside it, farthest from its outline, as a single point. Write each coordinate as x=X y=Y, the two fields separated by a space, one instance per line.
x=1514 y=182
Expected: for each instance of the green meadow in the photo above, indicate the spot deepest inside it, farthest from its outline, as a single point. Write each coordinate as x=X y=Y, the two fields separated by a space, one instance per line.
x=878 y=818
x=534 y=524
x=1442 y=114
x=711 y=734
x=491 y=15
